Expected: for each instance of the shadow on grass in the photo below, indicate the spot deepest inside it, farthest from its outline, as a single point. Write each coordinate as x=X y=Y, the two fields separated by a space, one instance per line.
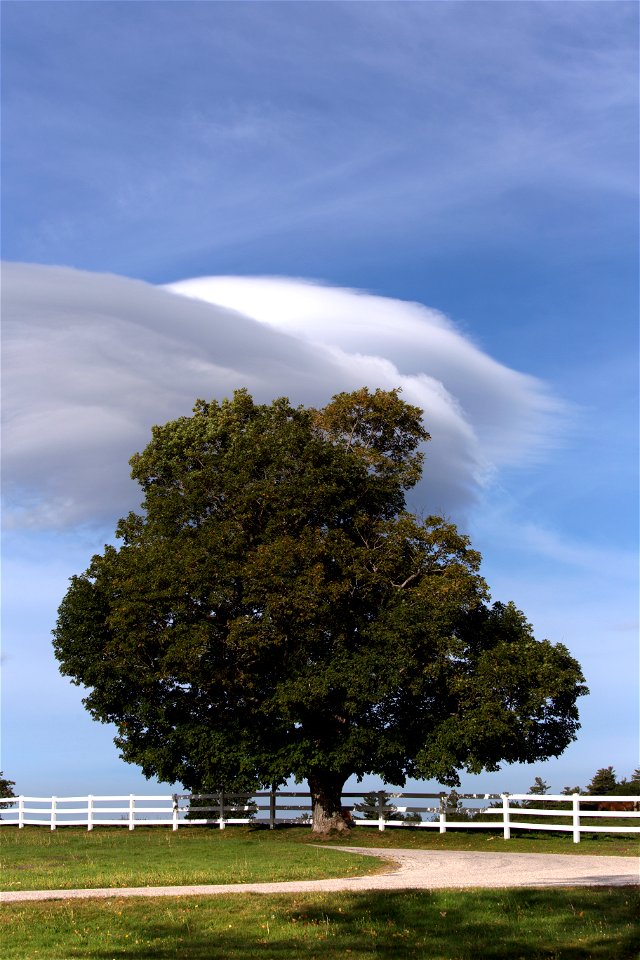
x=571 y=924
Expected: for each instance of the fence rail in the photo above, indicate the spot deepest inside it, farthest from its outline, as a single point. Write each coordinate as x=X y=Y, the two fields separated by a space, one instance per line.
x=272 y=808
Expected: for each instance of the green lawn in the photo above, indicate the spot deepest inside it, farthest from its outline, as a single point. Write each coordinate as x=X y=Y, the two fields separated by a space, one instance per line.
x=524 y=841
x=559 y=924
x=39 y=859
x=36 y=858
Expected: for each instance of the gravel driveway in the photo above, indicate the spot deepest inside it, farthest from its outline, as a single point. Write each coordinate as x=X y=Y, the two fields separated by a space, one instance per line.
x=413 y=869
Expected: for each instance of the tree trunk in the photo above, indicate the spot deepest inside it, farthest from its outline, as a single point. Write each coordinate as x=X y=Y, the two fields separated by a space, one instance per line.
x=326 y=799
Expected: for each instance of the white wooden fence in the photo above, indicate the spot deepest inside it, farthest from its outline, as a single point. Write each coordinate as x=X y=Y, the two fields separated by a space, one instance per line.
x=579 y=814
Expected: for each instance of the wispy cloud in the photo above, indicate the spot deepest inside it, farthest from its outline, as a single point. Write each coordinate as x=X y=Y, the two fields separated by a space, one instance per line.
x=374 y=113
x=576 y=554
x=92 y=361
x=502 y=407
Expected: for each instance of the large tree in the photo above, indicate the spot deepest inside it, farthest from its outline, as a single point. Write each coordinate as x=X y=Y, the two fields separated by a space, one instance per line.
x=274 y=610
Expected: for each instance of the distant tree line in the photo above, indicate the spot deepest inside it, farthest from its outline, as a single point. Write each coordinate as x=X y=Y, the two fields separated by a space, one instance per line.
x=605 y=781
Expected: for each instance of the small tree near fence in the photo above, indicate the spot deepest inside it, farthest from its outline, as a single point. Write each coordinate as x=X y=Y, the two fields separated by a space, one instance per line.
x=603 y=781
x=372 y=809
x=235 y=806
x=6 y=788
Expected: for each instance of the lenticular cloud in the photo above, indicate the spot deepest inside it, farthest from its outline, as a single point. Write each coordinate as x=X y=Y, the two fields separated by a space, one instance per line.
x=92 y=361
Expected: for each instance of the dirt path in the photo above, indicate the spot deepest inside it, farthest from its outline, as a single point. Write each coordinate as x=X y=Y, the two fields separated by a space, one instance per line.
x=415 y=869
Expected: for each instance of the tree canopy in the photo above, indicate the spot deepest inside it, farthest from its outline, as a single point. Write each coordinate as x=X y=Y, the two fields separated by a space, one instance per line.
x=274 y=610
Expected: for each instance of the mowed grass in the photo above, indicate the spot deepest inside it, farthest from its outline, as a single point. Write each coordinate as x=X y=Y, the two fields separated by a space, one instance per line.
x=558 y=924
x=529 y=841
x=67 y=858
x=36 y=858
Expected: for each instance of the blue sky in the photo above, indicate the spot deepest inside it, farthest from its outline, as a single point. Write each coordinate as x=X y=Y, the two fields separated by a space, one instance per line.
x=477 y=158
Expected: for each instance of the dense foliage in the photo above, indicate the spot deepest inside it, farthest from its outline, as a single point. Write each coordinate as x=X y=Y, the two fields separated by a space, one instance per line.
x=6 y=786
x=274 y=610
x=605 y=781
x=6 y=791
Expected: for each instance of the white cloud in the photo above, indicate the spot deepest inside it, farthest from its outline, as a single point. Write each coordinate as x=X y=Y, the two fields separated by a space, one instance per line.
x=502 y=408
x=93 y=360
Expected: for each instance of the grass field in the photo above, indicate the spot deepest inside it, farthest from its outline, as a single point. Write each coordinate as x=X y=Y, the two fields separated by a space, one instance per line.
x=616 y=845
x=37 y=859
x=558 y=924
x=562 y=924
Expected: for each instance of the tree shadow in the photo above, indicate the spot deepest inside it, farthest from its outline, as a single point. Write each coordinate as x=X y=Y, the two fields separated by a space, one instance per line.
x=494 y=925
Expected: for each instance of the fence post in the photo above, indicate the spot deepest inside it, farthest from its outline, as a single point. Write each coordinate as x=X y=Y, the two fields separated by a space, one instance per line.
x=576 y=817
x=20 y=813
x=222 y=824
x=175 y=811
x=506 y=816
x=443 y=814
x=53 y=813
x=381 y=810
x=90 y=812
x=272 y=809
x=132 y=812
